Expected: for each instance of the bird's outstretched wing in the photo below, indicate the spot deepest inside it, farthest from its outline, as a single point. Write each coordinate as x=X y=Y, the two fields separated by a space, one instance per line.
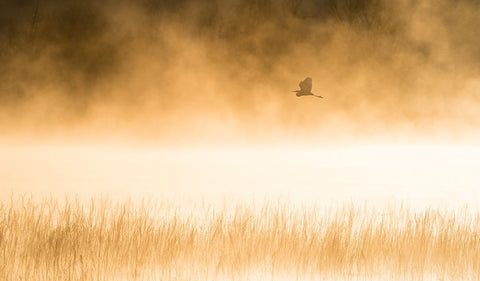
x=306 y=85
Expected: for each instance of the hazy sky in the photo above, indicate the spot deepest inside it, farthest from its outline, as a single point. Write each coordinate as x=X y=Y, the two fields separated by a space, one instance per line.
x=223 y=71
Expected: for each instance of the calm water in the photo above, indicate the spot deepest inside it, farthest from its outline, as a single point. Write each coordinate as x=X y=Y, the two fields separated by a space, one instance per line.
x=448 y=174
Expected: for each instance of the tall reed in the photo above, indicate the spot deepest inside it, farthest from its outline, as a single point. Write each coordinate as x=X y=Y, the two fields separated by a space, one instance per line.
x=106 y=240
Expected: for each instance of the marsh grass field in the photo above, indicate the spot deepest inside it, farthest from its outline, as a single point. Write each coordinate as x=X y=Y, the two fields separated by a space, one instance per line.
x=103 y=239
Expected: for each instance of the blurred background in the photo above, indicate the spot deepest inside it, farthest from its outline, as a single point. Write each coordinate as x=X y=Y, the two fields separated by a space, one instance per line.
x=194 y=97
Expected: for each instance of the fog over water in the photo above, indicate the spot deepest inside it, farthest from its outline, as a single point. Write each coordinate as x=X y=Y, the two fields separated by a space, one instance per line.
x=222 y=71
x=194 y=97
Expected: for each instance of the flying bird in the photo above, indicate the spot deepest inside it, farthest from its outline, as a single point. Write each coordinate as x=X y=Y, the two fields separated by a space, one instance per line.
x=306 y=88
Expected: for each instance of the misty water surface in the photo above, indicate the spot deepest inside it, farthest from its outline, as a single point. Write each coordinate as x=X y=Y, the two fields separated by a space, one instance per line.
x=445 y=173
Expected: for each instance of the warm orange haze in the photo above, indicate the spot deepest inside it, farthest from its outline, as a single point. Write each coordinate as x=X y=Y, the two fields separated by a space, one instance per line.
x=182 y=140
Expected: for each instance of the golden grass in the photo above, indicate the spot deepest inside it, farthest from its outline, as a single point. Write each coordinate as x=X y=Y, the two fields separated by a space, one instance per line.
x=103 y=240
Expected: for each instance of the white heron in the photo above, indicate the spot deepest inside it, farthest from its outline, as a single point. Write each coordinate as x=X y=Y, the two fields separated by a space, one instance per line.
x=306 y=88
